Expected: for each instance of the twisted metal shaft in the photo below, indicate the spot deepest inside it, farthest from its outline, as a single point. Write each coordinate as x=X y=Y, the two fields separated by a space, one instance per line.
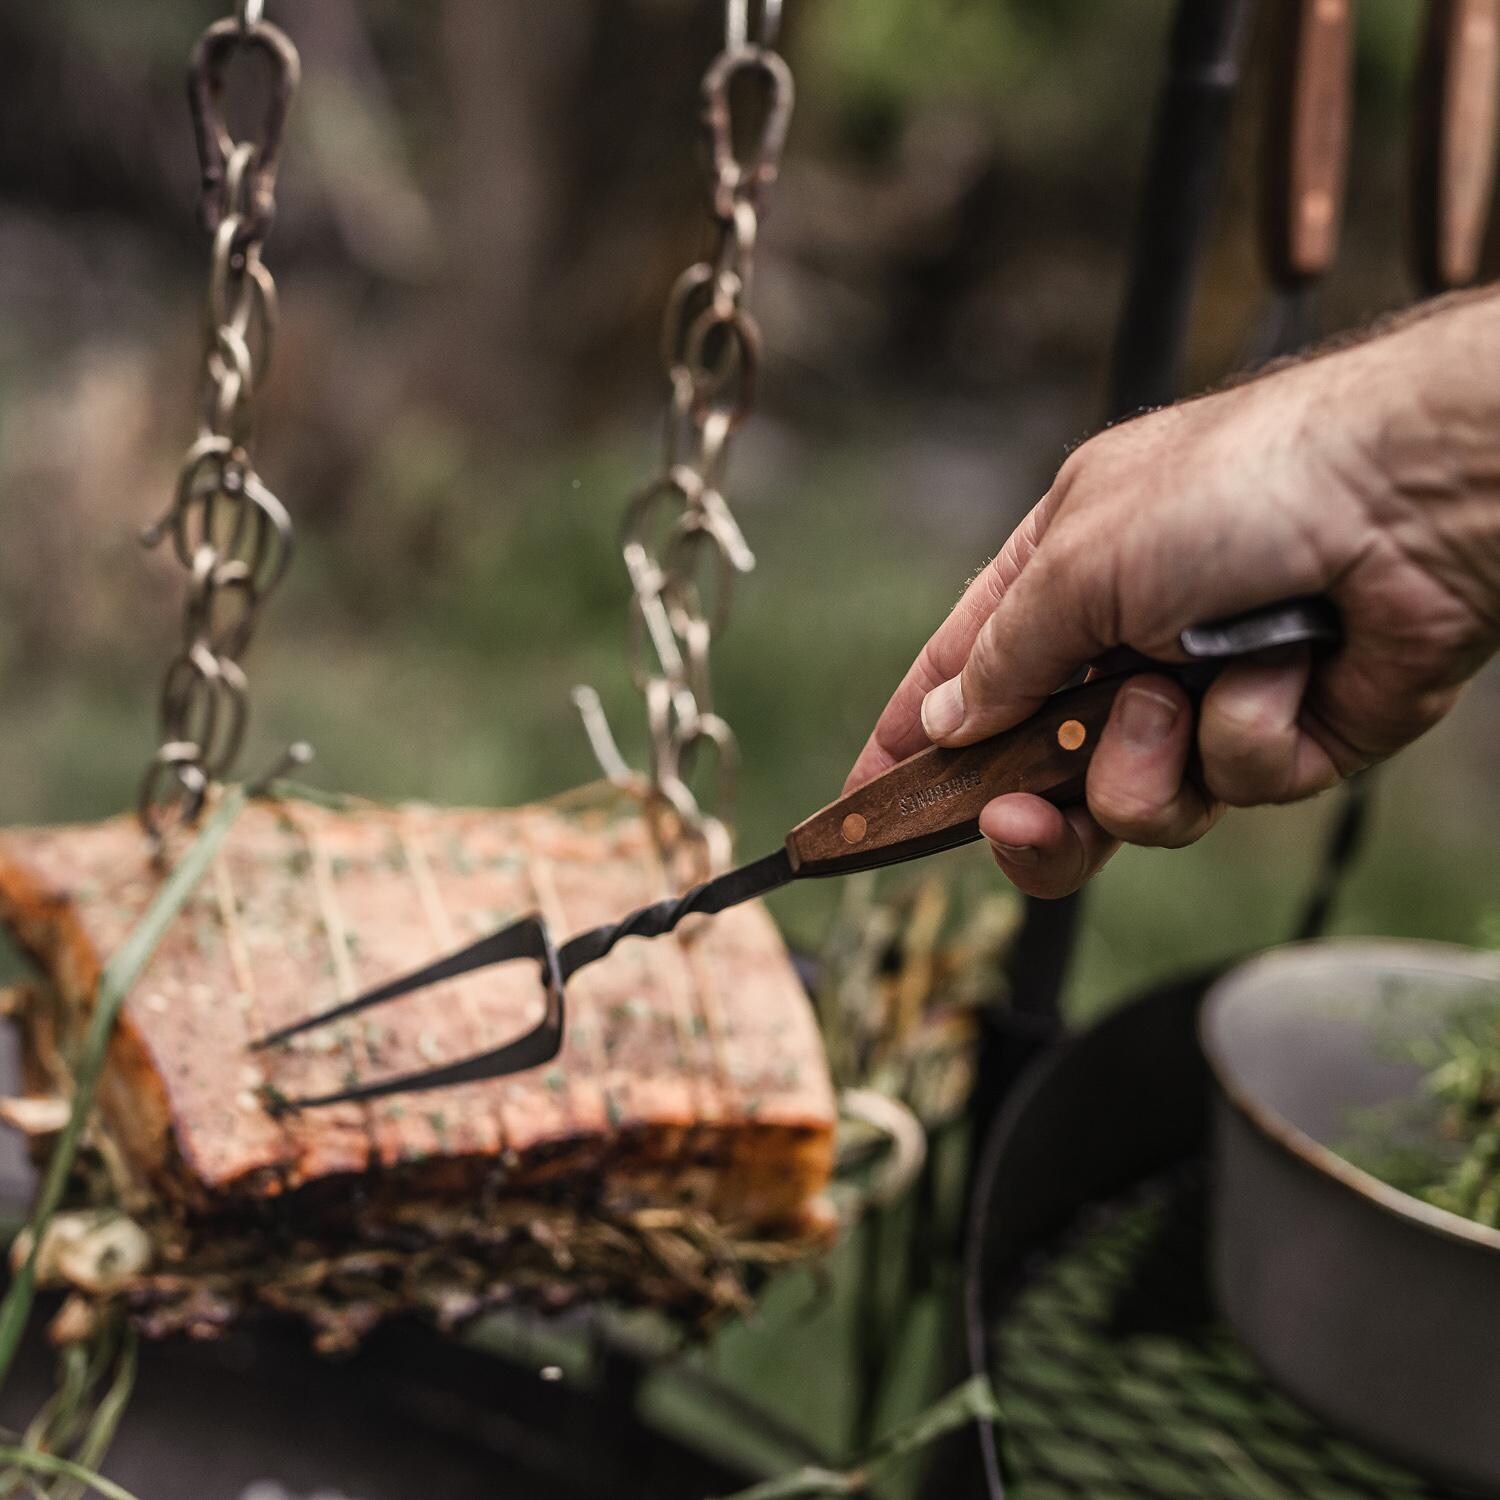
x=664 y=916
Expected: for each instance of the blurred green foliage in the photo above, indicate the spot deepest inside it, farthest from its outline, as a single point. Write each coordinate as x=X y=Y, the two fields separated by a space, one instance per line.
x=1047 y=74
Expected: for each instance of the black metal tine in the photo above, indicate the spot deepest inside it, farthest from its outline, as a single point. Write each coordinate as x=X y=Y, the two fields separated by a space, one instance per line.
x=531 y=938
x=539 y=1045
x=527 y=938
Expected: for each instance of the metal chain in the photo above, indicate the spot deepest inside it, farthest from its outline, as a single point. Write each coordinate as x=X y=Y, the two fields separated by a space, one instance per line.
x=737 y=25
x=683 y=548
x=228 y=530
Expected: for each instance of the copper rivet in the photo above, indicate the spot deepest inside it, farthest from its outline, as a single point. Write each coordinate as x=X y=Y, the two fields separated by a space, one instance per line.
x=853 y=828
x=1071 y=734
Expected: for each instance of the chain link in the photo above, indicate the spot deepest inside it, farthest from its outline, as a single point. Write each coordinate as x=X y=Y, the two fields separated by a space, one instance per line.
x=683 y=547
x=227 y=529
x=737 y=24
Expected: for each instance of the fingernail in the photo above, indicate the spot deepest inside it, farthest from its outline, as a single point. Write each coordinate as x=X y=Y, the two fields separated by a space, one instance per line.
x=1146 y=717
x=943 y=708
x=1017 y=854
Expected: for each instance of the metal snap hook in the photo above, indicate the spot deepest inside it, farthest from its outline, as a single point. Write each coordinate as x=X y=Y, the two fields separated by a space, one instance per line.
x=207 y=71
x=733 y=178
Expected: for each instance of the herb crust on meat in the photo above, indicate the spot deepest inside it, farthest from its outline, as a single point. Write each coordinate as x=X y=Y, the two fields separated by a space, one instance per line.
x=684 y=1135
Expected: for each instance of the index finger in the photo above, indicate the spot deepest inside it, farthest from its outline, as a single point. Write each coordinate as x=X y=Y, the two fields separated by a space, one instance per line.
x=898 y=732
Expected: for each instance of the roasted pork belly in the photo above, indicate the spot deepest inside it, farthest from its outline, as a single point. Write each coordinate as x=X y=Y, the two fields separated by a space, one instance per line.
x=691 y=1087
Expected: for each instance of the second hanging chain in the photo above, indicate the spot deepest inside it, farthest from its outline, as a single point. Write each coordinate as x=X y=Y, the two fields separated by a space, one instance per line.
x=682 y=546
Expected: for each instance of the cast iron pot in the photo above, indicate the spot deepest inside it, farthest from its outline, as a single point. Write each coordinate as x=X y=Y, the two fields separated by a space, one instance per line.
x=1377 y=1311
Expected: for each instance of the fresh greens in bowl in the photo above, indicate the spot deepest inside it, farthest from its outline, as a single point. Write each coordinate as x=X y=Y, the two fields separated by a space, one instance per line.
x=1443 y=1145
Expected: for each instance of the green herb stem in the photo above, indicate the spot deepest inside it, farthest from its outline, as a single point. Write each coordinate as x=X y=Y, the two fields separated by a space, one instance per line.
x=115 y=983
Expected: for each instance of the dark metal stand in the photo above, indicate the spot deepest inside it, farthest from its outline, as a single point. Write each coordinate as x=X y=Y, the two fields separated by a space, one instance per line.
x=1178 y=200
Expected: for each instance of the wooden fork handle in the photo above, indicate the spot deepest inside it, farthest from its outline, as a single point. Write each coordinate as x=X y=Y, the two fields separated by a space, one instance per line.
x=1453 y=156
x=932 y=800
x=1308 y=136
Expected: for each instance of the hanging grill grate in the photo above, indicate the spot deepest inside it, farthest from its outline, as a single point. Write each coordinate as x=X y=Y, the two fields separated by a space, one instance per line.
x=1119 y=1382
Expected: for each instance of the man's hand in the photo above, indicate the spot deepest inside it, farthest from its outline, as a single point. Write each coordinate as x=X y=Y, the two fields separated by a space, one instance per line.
x=1370 y=476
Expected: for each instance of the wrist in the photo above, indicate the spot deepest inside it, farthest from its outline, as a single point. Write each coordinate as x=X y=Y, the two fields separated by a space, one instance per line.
x=1425 y=398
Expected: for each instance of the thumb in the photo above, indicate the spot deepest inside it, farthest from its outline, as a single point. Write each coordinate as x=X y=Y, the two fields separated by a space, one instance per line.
x=1045 y=628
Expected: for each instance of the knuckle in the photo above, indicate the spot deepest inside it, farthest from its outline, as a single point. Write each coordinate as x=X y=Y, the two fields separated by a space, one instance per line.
x=1074 y=469
x=1128 y=813
x=1248 y=753
x=1248 y=773
x=1148 y=822
x=1241 y=788
x=1193 y=825
x=1054 y=876
x=1242 y=722
x=984 y=669
x=1140 y=809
